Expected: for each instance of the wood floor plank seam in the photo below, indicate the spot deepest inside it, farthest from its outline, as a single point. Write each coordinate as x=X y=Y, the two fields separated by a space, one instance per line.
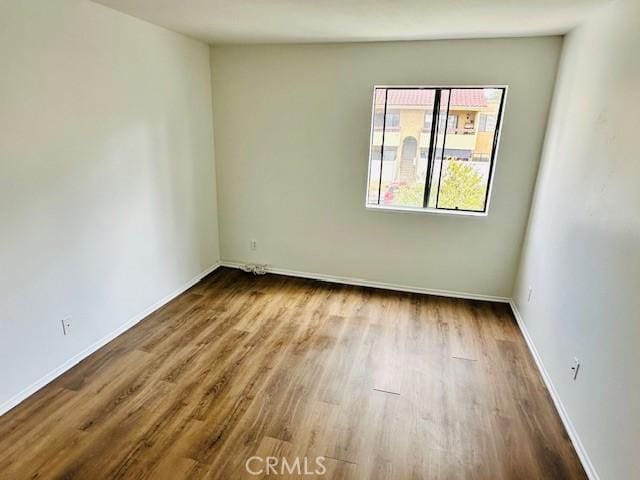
x=385 y=391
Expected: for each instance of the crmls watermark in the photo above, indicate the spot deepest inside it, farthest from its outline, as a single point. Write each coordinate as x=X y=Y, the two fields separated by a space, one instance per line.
x=283 y=466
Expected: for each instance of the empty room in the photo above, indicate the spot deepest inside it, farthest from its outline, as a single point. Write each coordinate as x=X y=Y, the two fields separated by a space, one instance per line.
x=319 y=239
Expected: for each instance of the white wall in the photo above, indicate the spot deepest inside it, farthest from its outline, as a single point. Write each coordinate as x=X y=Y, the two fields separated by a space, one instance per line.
x=582 y=255
x=292 y=138
x=107 y=188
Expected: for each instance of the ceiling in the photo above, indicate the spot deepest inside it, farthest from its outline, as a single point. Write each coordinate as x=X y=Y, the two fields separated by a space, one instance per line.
x=282 y=21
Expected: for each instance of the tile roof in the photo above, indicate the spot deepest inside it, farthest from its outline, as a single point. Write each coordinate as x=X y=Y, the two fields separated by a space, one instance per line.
x=460 y=97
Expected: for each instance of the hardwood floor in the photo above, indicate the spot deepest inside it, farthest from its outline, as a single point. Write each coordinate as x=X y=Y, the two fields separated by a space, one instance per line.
x=382 y=384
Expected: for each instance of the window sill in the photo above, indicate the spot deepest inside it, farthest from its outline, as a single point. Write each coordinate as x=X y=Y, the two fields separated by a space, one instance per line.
x=429 y=211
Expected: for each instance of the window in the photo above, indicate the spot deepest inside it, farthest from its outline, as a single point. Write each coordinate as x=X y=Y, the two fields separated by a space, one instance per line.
x=428 y=117
x=429 y=163
x=392 y=120
x=487 y=122
x=451 y=123
x=389 y=154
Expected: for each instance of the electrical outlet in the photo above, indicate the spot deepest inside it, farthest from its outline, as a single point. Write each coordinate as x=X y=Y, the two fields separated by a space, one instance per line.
x=575 y=368
x=253 y=245
x=529 y=294
x=66 y=326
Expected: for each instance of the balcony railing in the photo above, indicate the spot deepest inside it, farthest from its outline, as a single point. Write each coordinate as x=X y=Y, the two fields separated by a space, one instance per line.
x=454 y=131
x=461 y=131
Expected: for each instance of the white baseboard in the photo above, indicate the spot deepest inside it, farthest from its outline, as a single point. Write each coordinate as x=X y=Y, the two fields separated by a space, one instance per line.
x=52 y=375
x=370 y=283
x=568 y=425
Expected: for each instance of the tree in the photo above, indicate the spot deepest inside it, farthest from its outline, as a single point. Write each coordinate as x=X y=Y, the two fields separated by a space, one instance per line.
x=410 y=195
x=462 y=187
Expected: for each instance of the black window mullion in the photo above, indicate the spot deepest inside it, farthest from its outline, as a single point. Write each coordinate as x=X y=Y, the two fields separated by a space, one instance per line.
x=384 y=122
x=432 y=140
x=444 y=144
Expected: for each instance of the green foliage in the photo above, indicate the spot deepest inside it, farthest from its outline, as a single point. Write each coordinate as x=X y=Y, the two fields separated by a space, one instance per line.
x=410 y=195
x=462 y=187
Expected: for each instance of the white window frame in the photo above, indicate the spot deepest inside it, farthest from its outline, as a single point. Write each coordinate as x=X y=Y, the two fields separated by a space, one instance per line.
x=430 y=210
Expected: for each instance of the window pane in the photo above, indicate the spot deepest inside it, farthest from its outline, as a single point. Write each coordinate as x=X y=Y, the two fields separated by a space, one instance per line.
x=401 y=172
x=428 y=118
x=375 y=159
x=466 y=161
x=393 y=120
x=443 y=120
